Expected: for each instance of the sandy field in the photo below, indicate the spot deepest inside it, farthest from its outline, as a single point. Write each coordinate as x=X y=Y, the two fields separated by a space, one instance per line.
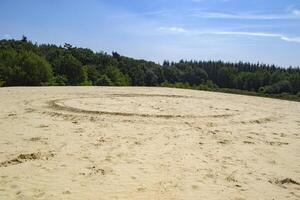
x=104 y=143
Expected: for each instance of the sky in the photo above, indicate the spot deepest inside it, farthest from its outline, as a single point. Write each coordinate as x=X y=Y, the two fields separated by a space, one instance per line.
x=265 y=31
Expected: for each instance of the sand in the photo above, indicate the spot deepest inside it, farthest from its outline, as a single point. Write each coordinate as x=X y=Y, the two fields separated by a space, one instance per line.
x=107 y=143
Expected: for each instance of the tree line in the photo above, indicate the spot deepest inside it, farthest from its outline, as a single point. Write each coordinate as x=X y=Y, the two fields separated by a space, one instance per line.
x=23 y=63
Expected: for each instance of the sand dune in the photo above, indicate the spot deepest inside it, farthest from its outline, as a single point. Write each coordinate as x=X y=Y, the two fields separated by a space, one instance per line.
x=146 y=143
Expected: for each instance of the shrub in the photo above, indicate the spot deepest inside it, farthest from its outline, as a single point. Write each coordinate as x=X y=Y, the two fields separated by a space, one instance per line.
x=60 y=80
x=2 y=83
x=103 y=80
x=86 y=83
x=278 y=88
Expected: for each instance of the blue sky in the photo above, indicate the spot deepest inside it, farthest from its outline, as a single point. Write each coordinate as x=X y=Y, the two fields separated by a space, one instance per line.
x=267 y=31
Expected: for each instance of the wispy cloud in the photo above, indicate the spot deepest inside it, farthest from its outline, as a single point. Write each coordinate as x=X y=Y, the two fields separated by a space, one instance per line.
x=296 y=12
x=258 y=34
x=146 y=14
x=198 y=1
x=232 y=33
x=289 y=39
x=294 y=15
x=173 y=29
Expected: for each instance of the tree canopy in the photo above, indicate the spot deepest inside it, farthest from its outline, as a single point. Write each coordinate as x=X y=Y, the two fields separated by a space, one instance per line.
x=23 y=63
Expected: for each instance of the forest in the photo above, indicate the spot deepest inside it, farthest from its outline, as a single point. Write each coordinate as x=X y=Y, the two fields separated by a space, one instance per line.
x=24 y=63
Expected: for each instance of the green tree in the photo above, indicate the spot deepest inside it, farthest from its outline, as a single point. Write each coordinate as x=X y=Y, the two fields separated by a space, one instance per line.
x=25 y=63
x=103 y=80
x=92 y=73
x=24 y=68
x=226 y=77
x=116 y=76
x=278 y=88
x=137 y=74
x=36 y=70
x=295 y=83
x=171 y=74
x=72 y=69
x=60 y=80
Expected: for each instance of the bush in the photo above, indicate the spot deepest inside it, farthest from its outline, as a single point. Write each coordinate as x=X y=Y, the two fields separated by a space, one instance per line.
x=86 y=83
x=166 y=84
x=72 y=68
x=203 y=87
x=183 y=85
x=2 y=83
x=60 y=80
x=115 y=76
x=103 y=80
x=211 y=85
x=278 y=88
x=261 y=90
x=28 y=69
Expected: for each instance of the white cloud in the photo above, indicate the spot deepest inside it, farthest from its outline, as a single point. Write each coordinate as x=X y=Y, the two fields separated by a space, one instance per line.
x=237 y=33
x=173 y=29
x=292 y=14
x=259 y=34
x=246 y=33
x=289 y=39
x=295 y=14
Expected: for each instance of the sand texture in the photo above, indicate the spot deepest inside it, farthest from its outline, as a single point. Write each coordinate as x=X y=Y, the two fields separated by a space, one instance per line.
x=104 y=143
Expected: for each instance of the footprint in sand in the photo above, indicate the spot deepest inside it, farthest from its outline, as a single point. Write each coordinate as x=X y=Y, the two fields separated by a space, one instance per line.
x=141 y=189
x=223 y=142
x=195 y=187
x=12 y=114
x=38 y=139
x=27 y=157
x=284 y=183
x=273 y=143
x=42 y=126
x=248 y=142
x=95 y=170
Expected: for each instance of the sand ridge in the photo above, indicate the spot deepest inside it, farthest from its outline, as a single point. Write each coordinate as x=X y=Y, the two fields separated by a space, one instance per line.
x=146 y=143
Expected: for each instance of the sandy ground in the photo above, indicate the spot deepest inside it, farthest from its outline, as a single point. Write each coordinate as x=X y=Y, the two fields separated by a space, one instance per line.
x=146 y=143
